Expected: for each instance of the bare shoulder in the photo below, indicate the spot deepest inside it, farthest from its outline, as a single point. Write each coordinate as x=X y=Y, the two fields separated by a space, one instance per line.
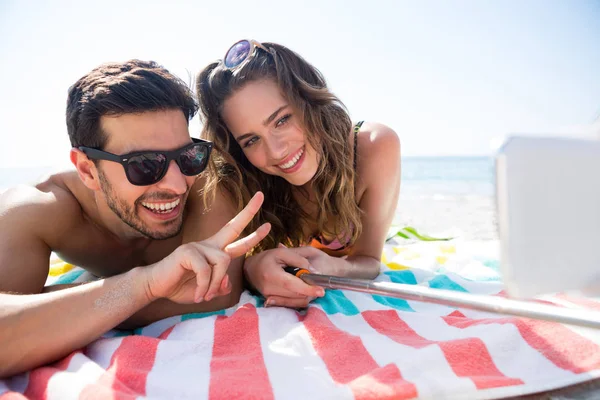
x=377 y=143
x=218 y=201
x=32 y=219
x=48 y=204
x=377 y=137
x=205 y=218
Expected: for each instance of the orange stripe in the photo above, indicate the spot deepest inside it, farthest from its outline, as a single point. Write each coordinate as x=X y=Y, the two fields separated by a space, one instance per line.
x=237 y=367
x=126 y=376
x=37 y=386
x=166 y=333
x=459 y=353
x=560 y=345
x=349 y=362
x=580 y=301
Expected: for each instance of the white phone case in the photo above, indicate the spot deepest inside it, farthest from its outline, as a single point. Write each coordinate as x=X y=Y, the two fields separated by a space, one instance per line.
x=548 y=203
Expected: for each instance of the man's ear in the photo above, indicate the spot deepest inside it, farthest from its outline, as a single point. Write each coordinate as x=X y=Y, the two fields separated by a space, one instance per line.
x=86 y=169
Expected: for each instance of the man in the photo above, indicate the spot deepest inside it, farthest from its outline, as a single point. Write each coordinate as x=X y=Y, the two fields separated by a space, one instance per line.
x=130 y=212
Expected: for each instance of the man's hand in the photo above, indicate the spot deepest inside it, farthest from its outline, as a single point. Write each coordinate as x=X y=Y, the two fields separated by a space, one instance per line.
x=197 y=271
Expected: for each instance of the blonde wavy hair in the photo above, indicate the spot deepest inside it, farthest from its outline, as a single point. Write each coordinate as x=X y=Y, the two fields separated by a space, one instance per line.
x=326 y=124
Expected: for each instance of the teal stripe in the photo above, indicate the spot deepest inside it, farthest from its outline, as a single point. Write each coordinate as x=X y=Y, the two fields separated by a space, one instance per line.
x=260 y=301
x=443 y=282
x=119 y=333
x=492 y=264
x=398 y=304
x=69 y=277
x=185 y=317
x=335 y=302
x=406 y=277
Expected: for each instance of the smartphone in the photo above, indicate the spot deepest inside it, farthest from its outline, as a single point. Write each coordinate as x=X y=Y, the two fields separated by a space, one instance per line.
x=548 y=208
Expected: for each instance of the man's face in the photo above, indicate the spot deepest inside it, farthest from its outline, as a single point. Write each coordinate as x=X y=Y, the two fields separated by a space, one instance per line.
x=156 y=211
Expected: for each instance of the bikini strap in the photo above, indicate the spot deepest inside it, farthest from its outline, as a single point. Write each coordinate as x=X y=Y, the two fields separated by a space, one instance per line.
x=356 y=129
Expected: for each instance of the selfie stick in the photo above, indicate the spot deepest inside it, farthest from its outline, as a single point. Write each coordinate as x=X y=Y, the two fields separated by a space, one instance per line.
x=499 y=305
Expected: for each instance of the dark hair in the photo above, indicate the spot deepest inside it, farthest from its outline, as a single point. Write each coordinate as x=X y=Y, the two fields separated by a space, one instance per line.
x=133 y=86
x=327 y=126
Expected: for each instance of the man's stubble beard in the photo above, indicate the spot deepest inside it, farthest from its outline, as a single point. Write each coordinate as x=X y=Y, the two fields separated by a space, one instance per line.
x=128 y=215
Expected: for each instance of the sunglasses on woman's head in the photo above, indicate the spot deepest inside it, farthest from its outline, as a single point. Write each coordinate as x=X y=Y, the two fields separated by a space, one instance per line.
x=240 y=52
x=145 y=168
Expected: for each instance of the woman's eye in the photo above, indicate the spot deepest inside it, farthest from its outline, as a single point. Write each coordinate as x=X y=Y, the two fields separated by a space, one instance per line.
x=250 y=142
x=283 y=120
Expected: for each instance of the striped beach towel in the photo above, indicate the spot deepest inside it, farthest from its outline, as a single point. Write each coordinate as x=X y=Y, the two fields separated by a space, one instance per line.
x=346 y=345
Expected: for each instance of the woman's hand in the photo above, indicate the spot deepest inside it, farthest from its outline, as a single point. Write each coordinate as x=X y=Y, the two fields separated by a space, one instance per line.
x=265 y=272
x=320 y=262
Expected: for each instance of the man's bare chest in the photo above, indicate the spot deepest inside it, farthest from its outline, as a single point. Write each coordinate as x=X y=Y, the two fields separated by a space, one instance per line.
x=102 y=255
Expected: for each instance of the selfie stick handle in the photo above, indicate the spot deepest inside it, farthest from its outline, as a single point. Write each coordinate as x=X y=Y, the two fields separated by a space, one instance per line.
x=499 y=305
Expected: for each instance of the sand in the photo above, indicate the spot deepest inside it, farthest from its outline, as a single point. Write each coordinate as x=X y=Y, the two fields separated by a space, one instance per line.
x=470 y=217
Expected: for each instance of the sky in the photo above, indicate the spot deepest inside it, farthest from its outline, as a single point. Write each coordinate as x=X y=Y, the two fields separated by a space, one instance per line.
x=450 y=77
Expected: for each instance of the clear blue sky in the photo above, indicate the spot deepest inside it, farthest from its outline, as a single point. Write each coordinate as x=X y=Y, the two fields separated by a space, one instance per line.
x=451 y=77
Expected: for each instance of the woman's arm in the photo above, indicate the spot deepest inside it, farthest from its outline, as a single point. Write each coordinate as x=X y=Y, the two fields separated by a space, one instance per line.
x=379 y=174
x=378 y=187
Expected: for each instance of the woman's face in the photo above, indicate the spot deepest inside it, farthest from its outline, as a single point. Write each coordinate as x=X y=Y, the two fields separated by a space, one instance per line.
x=269 y=132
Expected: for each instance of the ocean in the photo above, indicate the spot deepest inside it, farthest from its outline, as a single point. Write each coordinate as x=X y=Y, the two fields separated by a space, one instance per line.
x=460 y=176
x=449 y=196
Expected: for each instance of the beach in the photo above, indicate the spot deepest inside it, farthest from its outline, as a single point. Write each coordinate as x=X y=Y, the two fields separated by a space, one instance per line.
x=448 y=196
x=469 y=217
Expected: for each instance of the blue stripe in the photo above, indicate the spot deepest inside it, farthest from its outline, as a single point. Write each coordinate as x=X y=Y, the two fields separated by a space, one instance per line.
x=405 y=277
x=443 y=282
x=398 y=304
x=69 y=277
x=185 y=317
x=335 y=302
x=493 y=264
x=120 y=333
x=260 y=301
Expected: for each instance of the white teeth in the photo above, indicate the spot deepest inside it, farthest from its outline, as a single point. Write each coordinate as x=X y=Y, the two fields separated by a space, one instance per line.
x=293 y=161
x=162 y=206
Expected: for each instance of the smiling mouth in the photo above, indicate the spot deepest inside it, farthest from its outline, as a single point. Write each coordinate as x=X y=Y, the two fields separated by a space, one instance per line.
x=161 y=208
x=293 y=161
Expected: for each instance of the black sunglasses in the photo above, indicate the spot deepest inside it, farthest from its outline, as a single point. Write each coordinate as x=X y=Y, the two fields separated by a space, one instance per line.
x=145 y=168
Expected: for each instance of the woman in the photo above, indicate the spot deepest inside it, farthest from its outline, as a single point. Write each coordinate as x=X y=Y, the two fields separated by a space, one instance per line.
x=331 y=187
